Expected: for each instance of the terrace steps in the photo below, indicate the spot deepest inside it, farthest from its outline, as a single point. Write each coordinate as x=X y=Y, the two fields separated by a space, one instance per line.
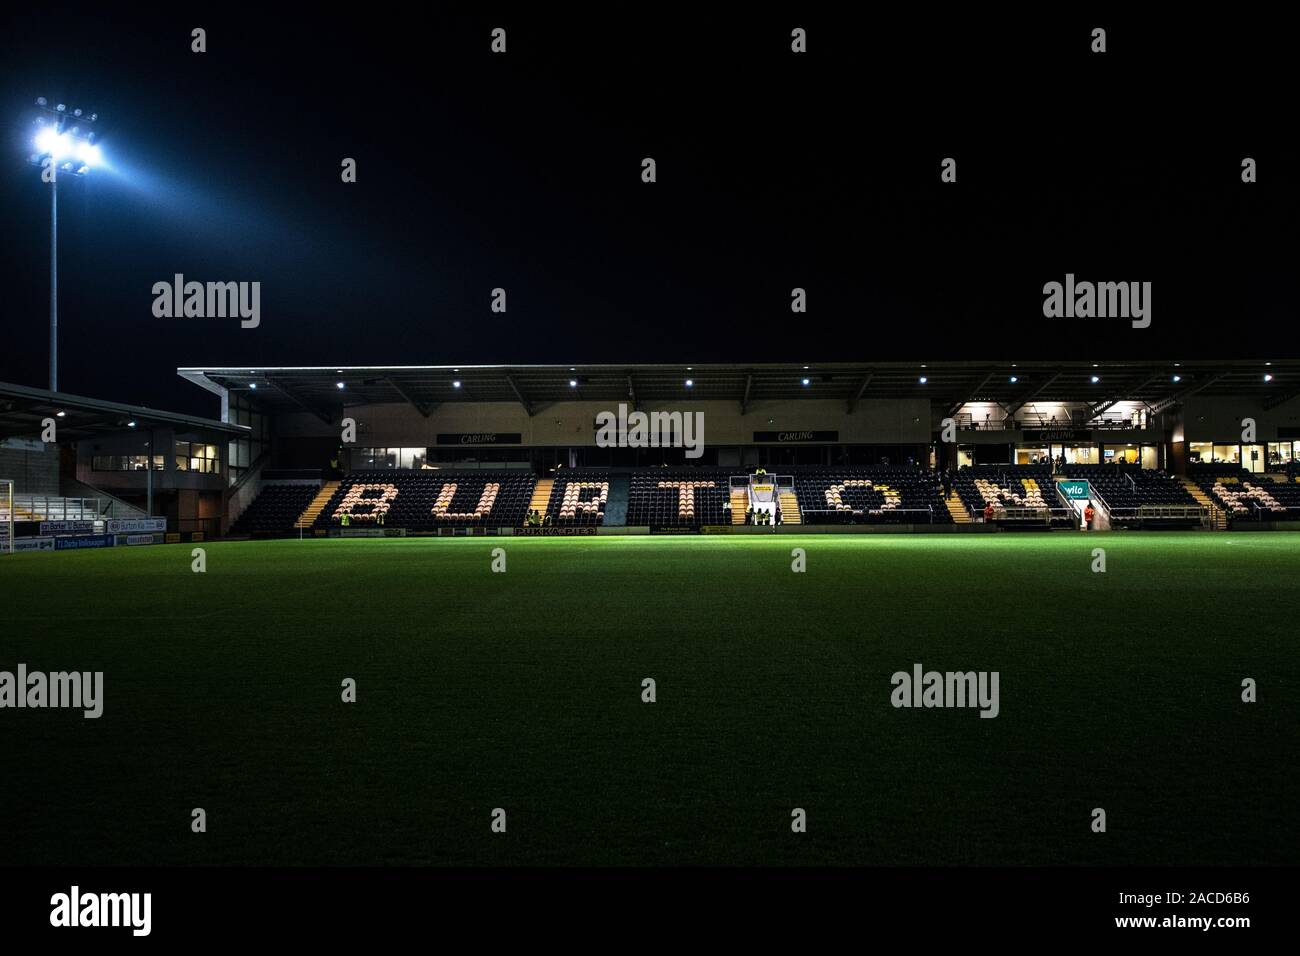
x=313 y=510
x=1218 y=519
x=616 y=503
x=958 y=510
x=739 y=505
x=789 y=508
x=541 y=496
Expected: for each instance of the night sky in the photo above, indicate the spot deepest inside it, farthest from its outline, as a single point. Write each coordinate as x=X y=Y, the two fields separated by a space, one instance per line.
x=775 y=170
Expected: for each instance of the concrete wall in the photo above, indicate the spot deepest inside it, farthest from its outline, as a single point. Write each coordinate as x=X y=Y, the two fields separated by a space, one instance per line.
x=1219 y=419
x=902 y=421
x=33 y=465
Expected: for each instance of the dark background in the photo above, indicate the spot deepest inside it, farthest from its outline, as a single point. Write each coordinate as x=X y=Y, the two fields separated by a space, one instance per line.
x=523 y=171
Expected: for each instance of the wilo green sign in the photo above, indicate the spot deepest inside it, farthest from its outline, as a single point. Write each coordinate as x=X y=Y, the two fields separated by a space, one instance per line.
x=1076 y=488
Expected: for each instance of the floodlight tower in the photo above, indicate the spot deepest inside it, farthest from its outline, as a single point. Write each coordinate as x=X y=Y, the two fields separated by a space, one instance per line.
x=64 y=143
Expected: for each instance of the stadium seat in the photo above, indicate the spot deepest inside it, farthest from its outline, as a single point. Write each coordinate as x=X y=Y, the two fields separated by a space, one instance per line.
x=679 y=497
x=1246 y=496
x=427 y=500
x=1126 y=489
x=578 y=498
x=274 y=510
x=879 y=494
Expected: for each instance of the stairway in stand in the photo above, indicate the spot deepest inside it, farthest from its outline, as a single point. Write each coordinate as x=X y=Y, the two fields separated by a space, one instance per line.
x=313 y=510
x=958 y=510
x=739 y=505
x=542 y=496
x=1218 y=517
x=616 y=504
x=789 y=508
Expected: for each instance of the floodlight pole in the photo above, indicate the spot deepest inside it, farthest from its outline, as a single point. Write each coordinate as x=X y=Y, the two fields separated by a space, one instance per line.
x=60 y=116
x=54 y=275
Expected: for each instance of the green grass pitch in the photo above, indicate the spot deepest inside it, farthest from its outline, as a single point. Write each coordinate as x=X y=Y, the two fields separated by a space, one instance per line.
x=522 y=690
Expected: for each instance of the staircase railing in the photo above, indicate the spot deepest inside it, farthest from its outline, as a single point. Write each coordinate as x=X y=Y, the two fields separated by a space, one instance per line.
x=110 y=505
x=57 y=508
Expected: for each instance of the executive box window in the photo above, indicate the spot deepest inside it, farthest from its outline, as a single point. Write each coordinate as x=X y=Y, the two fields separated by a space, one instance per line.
x=196 y=456
x=1249 y=457
x=1282 y=453
x=1204 y=451
x=125 y=463
x=1031 y=455
x=1081 y=454
x=364 y=459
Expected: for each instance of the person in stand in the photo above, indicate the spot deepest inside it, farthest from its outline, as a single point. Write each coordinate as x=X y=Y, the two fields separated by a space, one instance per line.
x=988 y=513
x=1088 y=515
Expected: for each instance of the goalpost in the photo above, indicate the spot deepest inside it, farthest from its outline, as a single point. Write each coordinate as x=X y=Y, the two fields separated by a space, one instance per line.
x=6 y=516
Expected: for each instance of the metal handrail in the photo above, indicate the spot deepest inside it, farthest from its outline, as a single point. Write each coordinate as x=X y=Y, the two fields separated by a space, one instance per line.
x=64 y=509
x=1105 y=506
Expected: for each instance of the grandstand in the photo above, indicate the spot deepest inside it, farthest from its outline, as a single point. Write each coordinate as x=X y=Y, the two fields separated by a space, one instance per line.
x=836 y=447
x=883 y=494
x=429 y=501
x=88 y=472
x=679 y=498
x=579 y=498
x=1249 y=497
x=1023 y=496
x=846 y=445
x=1131 y=496
x=275 y=510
